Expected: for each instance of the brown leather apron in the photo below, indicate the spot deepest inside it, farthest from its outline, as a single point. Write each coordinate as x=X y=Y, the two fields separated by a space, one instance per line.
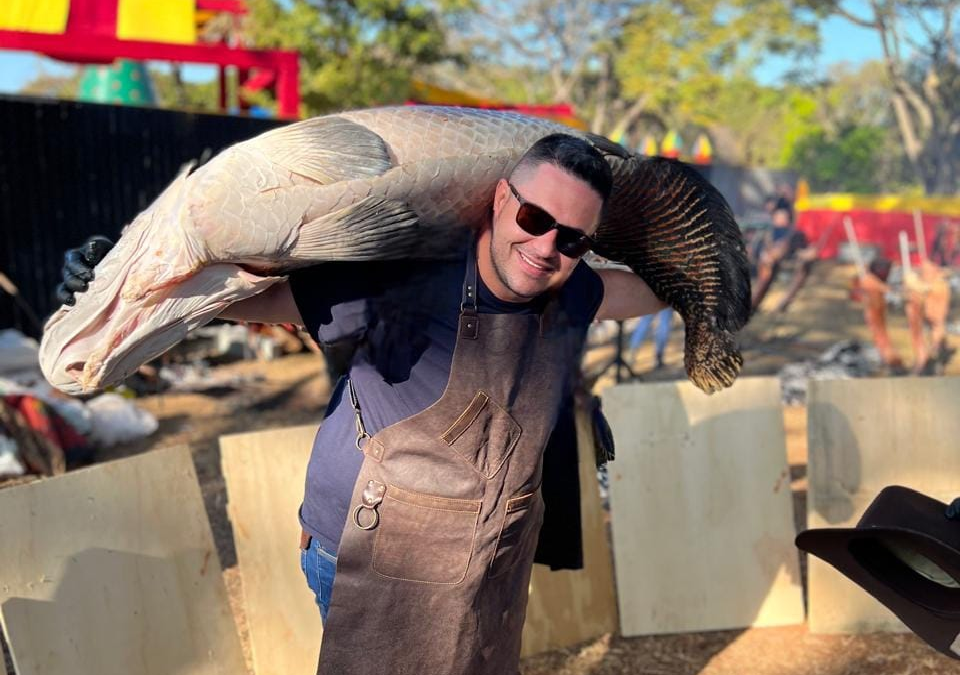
x=434 y=563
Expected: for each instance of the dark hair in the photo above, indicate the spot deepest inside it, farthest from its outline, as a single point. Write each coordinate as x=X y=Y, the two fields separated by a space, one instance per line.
x=880 y=267
x=575 y=156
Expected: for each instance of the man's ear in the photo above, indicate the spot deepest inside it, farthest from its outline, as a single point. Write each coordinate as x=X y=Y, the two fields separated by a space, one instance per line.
x=500 y=196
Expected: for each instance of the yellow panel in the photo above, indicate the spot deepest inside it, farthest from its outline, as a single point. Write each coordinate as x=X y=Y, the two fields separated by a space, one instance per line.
x=167 y=21
x=946 y=205
x=34 y=16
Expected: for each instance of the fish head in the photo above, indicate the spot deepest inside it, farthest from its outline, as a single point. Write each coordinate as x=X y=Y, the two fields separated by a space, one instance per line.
x=146 y=293
x=104 y=337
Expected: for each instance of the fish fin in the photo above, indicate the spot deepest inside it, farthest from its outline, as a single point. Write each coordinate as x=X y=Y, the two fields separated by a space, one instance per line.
x=326 y=149
x=372 y=229
x=608 y=147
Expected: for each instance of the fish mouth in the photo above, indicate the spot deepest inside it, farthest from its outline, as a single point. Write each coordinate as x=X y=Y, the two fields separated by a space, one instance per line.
x=83 y=351
x=92 y=354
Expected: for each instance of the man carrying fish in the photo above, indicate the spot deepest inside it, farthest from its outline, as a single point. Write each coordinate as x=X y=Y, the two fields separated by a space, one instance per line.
x=422 y=492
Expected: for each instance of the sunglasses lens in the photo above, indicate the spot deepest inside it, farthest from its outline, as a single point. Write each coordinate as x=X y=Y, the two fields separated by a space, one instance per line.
x=534 y=220
x=571 y=243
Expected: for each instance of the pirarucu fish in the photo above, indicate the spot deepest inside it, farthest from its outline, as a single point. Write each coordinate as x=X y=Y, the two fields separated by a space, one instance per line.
x=387 y=183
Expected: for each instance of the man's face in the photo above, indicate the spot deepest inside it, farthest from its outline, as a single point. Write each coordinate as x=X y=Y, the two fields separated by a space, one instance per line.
x=518 y=266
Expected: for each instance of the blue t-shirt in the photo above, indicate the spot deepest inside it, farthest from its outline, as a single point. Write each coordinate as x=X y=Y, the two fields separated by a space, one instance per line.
x=405 y=315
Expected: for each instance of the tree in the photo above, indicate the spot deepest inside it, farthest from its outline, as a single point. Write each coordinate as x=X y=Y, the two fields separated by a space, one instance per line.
x=55 y=86
x=618 y=61
x=845 y=162
x=686 y=57
x=173 y=92
x=354 y=53
x=919 y=44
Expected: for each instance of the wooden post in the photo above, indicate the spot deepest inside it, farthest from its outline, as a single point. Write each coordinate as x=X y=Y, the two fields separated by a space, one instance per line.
x=857 y=254
x=905 y=255
x=921 y=238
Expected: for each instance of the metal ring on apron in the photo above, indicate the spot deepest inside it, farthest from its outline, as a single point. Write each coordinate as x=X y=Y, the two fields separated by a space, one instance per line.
x=356 y=517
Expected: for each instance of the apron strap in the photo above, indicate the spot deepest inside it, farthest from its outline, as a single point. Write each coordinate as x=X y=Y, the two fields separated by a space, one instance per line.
x=362 y=434
x=469 y=318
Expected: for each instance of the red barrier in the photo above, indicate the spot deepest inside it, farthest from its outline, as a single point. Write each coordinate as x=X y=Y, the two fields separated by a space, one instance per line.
x=877 y=220
x=872 y=229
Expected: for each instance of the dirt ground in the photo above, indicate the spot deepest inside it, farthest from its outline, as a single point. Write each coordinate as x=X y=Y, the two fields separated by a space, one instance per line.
x=294 y=389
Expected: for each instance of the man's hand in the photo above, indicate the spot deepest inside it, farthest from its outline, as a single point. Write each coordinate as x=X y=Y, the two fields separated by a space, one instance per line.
x=78 y=264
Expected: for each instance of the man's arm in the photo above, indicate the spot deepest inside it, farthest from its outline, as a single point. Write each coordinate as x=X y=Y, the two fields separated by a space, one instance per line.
x=625 y=295
x=274 y=305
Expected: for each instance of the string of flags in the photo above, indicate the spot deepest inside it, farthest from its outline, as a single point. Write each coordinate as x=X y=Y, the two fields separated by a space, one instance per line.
x=701 y=152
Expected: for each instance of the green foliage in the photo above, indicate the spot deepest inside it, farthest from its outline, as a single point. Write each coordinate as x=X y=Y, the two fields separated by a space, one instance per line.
x=172 y=92
x=847 y=162
x=353 y=53
x=684 y=55
x=55 y=86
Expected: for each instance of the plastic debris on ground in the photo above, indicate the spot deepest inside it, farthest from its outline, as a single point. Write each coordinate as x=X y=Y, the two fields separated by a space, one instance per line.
x=10 y=465
x=19 y=358
x=846 y=359
x=197 y=377
x=115 y=419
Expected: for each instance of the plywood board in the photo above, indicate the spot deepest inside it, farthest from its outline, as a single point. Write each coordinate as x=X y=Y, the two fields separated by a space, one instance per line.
x=264 y=472
x=701 y=508
x=567 y=607
x=864 y=435
x=112 y=570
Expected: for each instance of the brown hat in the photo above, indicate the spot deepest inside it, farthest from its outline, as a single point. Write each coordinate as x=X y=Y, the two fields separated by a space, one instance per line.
x=906 y=554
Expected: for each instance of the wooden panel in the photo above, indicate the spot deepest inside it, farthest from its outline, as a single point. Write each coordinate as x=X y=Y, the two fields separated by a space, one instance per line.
x=567 y=607
x=701 y=508
x=264 y=472
x=863 y=436
x=112 y=570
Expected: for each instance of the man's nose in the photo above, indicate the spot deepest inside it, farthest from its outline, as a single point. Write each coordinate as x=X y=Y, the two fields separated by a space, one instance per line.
x=546 y=244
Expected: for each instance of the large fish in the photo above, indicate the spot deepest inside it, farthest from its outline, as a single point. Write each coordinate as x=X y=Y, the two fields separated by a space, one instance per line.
x=381 y=184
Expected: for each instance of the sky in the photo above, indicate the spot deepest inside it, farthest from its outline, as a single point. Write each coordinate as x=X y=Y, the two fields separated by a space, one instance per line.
x=841 y=42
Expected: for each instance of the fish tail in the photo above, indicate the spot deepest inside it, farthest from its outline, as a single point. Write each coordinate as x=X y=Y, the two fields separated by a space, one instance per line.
x=712 y=358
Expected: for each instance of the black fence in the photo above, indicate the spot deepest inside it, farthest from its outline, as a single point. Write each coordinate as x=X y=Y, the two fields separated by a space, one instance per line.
x=69 y=170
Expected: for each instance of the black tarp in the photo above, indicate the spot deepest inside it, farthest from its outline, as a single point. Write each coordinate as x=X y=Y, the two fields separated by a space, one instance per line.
x=69 y=170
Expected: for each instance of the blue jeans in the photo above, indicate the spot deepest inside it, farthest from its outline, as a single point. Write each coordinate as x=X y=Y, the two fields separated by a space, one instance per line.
x=664 y=318
x=319 y=567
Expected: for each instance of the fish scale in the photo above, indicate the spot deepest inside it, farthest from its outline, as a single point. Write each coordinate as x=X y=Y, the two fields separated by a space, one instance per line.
x=387 y=183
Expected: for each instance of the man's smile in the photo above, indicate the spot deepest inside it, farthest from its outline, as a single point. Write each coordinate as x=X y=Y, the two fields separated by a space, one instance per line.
x=535 y=267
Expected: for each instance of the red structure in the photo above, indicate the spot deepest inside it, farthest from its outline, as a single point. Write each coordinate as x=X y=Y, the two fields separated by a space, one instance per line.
x=91 y=37
x=877 y=219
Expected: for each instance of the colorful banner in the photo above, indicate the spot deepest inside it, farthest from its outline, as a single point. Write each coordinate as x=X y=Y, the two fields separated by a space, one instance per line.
x=702 y=150
x=34 y=16
x=167 y=21
x=672 y=145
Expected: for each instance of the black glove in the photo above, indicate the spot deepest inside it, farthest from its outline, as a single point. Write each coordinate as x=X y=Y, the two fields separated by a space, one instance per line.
x=78 y=264
x=953 y=510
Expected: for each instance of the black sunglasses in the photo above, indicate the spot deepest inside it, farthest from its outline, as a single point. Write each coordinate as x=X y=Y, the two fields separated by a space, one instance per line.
x=532 y=219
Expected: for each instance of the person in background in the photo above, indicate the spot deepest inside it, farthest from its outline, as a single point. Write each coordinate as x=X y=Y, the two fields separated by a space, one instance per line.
x=871 y=289
x=664 y=319
x=781 y=242
x=927 y=295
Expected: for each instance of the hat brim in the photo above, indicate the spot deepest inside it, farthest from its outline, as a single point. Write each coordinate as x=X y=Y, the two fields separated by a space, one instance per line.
x=937 y=626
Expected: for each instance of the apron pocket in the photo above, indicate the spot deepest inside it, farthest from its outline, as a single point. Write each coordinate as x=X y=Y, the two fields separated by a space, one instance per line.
x=517 y=533
x=424 y=538
x=485 y=434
